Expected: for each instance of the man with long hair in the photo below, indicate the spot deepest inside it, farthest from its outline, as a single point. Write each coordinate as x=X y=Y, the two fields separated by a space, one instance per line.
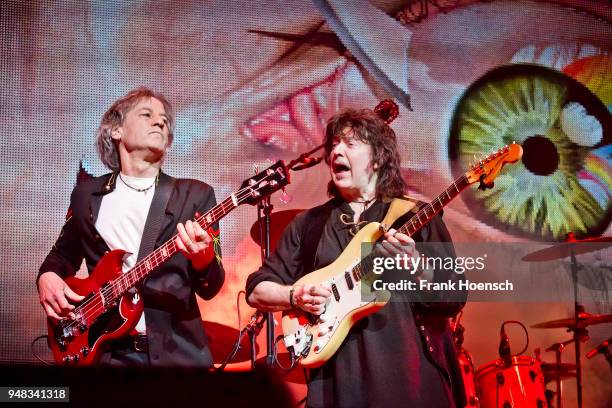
x=136 y=204
x=403 y=354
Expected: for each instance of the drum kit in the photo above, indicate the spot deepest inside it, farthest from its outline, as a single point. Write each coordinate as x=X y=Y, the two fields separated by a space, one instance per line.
x=520 y=381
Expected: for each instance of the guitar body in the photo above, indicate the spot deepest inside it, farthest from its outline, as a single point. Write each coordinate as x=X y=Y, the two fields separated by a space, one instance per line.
x=317 y=339
x=81 y=341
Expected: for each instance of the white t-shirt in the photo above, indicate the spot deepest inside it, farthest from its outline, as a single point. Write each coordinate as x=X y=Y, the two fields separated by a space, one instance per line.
x=122 y=217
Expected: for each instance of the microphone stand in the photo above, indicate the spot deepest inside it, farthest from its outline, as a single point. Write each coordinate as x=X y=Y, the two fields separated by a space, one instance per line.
x=580 y=333
x=558 y=348
x=264 y=209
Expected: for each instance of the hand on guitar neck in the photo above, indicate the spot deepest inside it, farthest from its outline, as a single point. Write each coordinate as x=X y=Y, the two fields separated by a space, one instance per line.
x=396 y=243
x=195 y=244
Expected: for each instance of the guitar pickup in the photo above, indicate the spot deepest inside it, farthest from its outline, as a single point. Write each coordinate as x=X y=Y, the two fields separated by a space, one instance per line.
x=349 y=280
x=334 y=289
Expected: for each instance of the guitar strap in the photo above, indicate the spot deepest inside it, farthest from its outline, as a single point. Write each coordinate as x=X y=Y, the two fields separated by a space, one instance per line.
x=317 y=217
x=156 y=215
x=399 y=207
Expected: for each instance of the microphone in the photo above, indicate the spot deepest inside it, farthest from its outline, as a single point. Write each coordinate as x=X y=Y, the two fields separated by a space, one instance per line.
x=504 y=347
x=307 y=162
x=602 y=348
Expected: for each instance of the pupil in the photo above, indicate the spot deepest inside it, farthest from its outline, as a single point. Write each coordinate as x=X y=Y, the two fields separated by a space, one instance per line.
x=540 y=155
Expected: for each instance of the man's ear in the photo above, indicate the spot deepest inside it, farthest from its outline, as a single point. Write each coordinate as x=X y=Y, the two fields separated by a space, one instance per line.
x=116 y=133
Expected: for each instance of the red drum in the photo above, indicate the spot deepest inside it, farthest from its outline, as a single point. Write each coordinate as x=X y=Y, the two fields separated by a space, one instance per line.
x=518 y=385
x=467 y=372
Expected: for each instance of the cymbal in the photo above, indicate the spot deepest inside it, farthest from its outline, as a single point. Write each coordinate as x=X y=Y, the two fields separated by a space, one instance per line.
x=221 y=340
x=296 y=376
x=565 y=249
x=278 y=221
x=584 y=320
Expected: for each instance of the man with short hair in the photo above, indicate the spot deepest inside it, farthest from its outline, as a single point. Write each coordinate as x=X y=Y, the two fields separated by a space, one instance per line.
x=117 y=211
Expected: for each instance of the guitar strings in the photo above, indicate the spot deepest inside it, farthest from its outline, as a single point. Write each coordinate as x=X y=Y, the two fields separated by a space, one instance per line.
x=358 y=272
x=93 y=303
x=98 y=300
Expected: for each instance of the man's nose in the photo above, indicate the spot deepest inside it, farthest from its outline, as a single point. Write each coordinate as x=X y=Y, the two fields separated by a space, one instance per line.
x=159 y=121
x=337 y=149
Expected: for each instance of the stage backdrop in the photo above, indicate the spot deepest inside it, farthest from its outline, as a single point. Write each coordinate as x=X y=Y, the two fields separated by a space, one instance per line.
x=256 y=81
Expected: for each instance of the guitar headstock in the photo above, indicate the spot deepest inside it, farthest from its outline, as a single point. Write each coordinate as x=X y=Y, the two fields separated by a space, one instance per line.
x=487 y=169
x=264 y=183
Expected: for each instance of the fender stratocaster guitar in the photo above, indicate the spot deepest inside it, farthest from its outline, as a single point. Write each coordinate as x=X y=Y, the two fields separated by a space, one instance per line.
x=314 y=340
x=111 y=309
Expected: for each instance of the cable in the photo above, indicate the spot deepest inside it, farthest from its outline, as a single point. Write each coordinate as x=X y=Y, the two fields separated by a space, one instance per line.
x=275 y=355
x=526 y=334
x=238 y=309
x=34 y=352
x=236 y=348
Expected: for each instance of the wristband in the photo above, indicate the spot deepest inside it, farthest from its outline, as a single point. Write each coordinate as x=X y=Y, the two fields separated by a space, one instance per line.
x=291 y=297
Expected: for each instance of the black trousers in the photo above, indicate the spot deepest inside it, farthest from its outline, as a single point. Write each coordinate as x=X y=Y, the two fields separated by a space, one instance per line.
x=126 y=358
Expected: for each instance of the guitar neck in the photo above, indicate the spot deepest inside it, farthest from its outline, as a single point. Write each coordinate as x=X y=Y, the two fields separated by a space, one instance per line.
x=428 y=211
x=420 y=219
x=143 y=268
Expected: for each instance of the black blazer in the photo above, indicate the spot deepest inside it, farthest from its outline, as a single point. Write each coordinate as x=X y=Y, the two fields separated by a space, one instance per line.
x=174 y=325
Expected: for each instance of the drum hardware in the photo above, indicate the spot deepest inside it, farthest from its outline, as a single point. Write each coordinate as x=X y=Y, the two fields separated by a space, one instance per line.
x=603 y=349
x=570 y=248
x=558 y=371
x=584 y=320
x=465 y=363
x=513 y=380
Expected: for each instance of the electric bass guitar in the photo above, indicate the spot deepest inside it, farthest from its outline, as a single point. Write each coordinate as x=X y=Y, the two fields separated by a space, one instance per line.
x=314 y=339
x=111 y=308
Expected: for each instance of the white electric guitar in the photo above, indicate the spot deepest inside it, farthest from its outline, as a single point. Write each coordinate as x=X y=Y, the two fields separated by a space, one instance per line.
x=314 y=340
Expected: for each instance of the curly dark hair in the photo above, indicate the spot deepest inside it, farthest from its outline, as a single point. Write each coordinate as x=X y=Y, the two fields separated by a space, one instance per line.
x=371 y=129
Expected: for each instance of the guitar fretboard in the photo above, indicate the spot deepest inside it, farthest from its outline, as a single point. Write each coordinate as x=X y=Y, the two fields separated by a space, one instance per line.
x=143 y=268
x=416 y=222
